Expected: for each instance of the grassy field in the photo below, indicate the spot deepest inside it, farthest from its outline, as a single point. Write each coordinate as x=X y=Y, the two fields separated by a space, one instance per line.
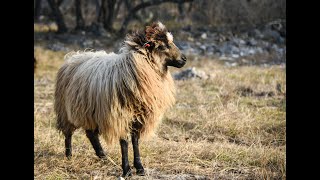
x=230 y=126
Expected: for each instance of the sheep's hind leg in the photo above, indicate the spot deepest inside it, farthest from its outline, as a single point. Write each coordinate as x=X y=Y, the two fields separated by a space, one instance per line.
x=125 y=162
x=67 y=142
x=93 y=136
x=137 y=162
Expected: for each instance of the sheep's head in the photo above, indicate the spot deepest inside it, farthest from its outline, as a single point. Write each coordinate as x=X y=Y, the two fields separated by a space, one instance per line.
x=157 y=41
x=160 y=41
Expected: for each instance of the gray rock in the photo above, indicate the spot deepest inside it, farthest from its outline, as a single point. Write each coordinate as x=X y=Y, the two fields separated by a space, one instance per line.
x=265 y=43
x=190 y=73
x=252 y=42
x=191 y=51
x=272 y=35
x=235 y=50
x=182 y=45
x=226 y=58
x=220 y=38
x=233 y=64
x=235 y=55
x=226 y=48
x=87 y=43
x=210 y=50
x=204 y=36
x=251 y=51
x=238 y=41
x=255 y=33
x=275 y=47
x=57 y=47
x=203 y=47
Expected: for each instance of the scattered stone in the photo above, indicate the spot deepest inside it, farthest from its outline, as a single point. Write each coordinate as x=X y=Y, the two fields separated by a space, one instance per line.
x=190 y=39
x=204 y=36
x=231 y=64
x=190 y=73
x=255 y=33
x=57 y=46
x=272 y=35
x=252 y=42
x=226 y=58
x=229 y=46
x=235 y=55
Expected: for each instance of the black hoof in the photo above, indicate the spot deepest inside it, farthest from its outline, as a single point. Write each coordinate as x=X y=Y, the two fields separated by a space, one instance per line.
x=127 y=173
x=69 y=157
x=140 y=172
x=101 y=155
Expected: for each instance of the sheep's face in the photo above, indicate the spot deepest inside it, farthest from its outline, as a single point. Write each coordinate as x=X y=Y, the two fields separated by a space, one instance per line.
x=160 y=42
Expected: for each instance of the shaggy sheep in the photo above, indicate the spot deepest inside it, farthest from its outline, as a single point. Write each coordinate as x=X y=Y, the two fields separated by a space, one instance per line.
x=116 y=95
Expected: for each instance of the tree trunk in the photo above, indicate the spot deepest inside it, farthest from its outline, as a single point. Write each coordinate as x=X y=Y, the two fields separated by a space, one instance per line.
x=181 y=11
x=37 y=9
x=79 y=18
x=117 y=8
x=143 y=11
x=98 y=10
x=58 y=16
x=59 y=2
x=108 y=22
x=190 y=7
x=128 y=5
x=102 y=14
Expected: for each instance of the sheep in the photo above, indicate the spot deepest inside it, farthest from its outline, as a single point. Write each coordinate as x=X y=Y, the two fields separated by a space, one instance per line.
x=118 y=95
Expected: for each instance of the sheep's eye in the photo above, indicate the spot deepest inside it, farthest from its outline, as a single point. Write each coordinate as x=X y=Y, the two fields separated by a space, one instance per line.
x=161 y=48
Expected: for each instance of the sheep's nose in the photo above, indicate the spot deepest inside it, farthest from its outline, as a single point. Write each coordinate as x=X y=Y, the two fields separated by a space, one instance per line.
x=183 y=57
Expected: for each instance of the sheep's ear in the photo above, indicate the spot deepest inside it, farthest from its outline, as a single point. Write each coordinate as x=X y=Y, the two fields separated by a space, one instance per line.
x=149 y=45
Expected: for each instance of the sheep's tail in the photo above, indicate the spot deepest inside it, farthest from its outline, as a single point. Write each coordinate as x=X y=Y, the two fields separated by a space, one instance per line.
x=63 y=125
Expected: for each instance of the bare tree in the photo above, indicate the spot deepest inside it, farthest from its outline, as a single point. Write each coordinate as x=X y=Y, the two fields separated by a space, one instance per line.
x=117 y=7
x=143 y=5
x=106 y=12
x=58 y=16
x=79 y=18
x=59 y=2
x=102 y=12
x=109 y=16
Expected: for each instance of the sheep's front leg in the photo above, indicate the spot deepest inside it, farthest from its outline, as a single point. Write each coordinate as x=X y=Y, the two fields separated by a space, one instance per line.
x=125 y=162
x=136 y=162
x=93 y=136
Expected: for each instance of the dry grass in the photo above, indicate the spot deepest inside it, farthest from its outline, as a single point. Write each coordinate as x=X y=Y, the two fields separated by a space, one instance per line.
x=230 y=126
